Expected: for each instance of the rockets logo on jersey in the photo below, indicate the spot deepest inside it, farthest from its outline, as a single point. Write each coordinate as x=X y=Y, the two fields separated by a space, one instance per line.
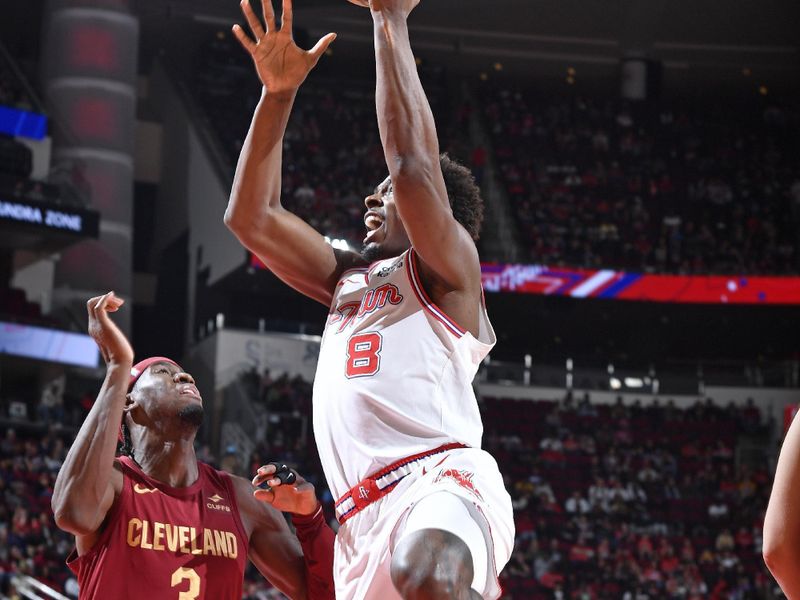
x=460 y=477
x=373 y=300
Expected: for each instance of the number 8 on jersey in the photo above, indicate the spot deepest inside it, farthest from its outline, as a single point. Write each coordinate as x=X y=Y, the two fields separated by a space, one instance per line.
x=363 y=355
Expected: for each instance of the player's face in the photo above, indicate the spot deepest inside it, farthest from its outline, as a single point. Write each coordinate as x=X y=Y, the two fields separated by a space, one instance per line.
x=386 y=236
x=165 y=391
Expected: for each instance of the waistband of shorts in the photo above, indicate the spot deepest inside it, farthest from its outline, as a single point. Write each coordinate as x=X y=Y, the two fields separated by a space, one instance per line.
x=374 y=487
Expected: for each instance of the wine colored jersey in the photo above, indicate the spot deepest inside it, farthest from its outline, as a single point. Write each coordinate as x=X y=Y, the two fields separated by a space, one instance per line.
x=165 y=543
x=394 y=376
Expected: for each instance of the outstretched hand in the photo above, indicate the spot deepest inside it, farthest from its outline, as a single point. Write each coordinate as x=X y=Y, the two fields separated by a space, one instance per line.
x=281 y=65
x=296 y=495
x=114 y=346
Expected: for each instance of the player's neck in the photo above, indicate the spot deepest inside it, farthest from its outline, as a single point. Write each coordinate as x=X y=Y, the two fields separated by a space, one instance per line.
x=171 y=462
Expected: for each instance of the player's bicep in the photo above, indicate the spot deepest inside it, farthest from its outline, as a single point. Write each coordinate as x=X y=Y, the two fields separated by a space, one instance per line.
x=85 y=542
x=296 y=253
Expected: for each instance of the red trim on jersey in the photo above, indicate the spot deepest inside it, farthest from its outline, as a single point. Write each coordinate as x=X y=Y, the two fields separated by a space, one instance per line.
x=370 y=486
x=492 y=555
x=354 y=271
x=422 y=296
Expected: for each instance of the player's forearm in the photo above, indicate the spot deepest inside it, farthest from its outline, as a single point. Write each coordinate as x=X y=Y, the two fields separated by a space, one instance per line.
x=257 y=182
x=782 y=520
x=86 y=473
x=405 y=120
x=316 y=539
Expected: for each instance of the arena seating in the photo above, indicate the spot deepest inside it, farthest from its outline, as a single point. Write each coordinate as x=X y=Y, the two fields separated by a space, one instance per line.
x=628 y=502
x=656 y=187
x=592 y=182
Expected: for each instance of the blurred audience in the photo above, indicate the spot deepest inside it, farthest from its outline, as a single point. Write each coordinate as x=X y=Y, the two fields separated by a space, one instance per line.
x=649 y=187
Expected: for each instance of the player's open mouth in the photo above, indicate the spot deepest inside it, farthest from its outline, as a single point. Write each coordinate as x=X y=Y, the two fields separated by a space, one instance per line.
x=374 y=222
x=192 y=391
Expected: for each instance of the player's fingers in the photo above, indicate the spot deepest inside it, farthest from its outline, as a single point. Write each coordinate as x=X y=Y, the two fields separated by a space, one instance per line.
x=244 y=40
x=262 y=475
x=91 y=303
x=269 y=14
x=100 y=308
x=287 y=17
x=252 y=19
x=264 y=495
x=282 y=478
x=113 y=303
x=321 y=46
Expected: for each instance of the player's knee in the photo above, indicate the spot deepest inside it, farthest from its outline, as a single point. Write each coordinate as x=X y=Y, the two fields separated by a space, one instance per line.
x=431 y=564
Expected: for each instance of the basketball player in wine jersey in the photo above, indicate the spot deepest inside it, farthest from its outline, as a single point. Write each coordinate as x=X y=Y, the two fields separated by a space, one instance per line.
x=422 y=509
x=158 y=524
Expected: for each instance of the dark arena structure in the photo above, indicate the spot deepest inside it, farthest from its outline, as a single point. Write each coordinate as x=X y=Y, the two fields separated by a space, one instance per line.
x=639 y=162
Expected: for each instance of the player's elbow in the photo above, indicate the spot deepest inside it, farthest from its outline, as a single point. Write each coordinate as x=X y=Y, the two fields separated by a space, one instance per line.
x=778 y=552
x=411 y=168
x=73 y=521
x=235 y=221
x=244 y=227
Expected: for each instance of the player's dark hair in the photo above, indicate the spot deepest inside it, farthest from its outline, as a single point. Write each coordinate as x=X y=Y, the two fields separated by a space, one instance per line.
x=125 y=447
x=464 y=195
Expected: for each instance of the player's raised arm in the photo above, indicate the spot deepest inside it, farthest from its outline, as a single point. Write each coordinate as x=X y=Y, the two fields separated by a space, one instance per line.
x=291 y=248
x=87 y=482
x=782 y=521
x=411 y=148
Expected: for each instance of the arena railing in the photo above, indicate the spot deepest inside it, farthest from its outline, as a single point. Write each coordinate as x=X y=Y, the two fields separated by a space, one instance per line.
x=30 y=588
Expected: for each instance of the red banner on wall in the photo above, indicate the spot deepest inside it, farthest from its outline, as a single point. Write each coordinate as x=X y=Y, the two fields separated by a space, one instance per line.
x=623 y=285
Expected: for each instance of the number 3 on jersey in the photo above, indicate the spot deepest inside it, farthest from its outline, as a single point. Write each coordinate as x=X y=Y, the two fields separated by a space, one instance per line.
x=363 y=355
x=184 y=574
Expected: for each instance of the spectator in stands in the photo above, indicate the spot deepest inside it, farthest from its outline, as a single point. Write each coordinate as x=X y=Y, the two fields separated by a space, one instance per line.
x=576 y=504
x=688 y=198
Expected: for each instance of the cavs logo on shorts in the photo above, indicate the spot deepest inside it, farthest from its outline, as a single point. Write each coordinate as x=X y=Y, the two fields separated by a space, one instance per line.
x=462 y=478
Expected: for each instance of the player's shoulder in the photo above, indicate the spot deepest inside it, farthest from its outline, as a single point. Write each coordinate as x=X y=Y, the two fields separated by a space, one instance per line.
x=348 y=261
x=243 y=490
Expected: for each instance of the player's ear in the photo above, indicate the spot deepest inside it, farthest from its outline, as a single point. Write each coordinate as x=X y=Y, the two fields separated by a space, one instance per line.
x=130 y=403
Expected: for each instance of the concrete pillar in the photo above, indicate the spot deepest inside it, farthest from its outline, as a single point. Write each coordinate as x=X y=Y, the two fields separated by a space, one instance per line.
x=90 y=50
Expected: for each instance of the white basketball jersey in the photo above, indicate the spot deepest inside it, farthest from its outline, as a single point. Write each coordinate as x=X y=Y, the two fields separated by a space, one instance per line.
x=394 y=376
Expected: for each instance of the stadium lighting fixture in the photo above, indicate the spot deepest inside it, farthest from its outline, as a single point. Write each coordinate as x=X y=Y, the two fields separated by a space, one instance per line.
x=337 y=243
x=634 y=382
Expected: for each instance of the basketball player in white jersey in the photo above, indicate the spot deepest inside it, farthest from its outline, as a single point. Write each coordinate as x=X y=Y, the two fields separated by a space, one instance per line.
x=422 y=509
